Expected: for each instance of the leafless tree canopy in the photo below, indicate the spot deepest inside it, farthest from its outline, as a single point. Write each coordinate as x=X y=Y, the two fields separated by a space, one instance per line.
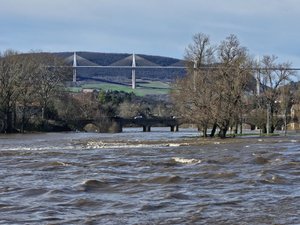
x=27 y=81
x=216 y=91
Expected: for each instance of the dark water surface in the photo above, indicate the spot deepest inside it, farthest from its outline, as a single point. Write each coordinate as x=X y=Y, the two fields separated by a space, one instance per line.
x=74 y=178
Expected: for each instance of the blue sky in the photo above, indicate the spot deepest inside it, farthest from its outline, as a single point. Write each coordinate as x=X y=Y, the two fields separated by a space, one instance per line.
x=157 y=27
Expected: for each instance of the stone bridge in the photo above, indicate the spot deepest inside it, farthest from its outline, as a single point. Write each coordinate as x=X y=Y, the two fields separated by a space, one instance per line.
x=116 y=124
x=147 y=123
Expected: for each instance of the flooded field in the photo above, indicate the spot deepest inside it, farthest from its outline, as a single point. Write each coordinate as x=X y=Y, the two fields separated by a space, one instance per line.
x=138 y=178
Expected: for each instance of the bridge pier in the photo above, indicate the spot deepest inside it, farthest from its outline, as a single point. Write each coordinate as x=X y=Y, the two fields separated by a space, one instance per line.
x=146 y=128
x=174 y=128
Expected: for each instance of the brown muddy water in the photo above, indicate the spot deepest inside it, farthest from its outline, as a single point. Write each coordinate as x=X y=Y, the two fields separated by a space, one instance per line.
x=137 y=178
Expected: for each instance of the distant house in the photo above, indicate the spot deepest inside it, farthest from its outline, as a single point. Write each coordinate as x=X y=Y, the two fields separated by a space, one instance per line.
x=295 y=117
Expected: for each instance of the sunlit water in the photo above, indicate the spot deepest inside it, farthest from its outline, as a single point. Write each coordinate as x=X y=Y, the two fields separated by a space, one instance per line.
x=79 y=178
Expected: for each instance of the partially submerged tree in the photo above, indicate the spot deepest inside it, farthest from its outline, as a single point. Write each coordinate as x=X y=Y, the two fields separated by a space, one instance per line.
x=193 y=94
x=232 y=77
x=212 y=92
x=273 y=77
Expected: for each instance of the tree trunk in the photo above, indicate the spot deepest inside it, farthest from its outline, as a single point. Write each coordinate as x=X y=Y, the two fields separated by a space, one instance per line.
x=241 y=127
x=9 y=121
x=264 y=129
x=236 y=128
x=272 y=127
x=204 y=130
x=23 y=120
x=213 y=130
x=223 y=129
x=222 y=133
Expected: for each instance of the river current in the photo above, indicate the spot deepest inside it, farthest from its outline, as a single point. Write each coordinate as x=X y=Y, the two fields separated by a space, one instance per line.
x=148 y=178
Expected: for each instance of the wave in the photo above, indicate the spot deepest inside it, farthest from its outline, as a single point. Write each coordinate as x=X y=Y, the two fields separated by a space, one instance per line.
x=38 y=148
x=217 y=175
x=153 y=207
x=91 y=144
x=179 y=196
x=58 y=164
x=165 y=180
x=274 y=179
x=83 y=203
x=186 y=161
x=223 y=175
x=92 y=185
x=261 y=160
x=100 y=144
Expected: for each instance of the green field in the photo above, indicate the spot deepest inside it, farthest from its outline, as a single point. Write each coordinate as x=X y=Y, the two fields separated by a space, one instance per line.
x=142 y=88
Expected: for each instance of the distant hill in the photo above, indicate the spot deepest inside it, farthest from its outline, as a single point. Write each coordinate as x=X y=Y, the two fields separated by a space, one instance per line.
x=123 y=59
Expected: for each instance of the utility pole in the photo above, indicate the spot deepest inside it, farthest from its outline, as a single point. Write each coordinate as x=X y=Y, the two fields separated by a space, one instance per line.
x=268 y=118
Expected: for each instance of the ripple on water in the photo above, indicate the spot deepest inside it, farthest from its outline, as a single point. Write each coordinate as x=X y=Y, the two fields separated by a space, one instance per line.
x=58 y=164
x=171 y=179
x=153 y=207
x=83 y=202
x=180 y=196
x=217 y=175
x=261 y=160
x=274 y=179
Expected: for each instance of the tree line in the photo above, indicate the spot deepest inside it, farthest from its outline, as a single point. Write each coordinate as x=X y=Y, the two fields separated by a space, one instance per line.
x=28 y=85
x=225 y=86
x=34 y=97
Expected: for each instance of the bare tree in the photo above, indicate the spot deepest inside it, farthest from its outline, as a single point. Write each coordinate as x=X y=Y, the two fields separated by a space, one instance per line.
x=9 y=81
x=49 y=79
x=27 y=90
x=232 y=78
x=27 y=79
x=192 y=95
x=200 y=51
x=212 y=92
x=273 y=76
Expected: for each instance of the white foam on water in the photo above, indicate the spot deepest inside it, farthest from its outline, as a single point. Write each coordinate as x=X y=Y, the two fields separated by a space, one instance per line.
x=100 y=144
x=186 y=161
x=37 y=148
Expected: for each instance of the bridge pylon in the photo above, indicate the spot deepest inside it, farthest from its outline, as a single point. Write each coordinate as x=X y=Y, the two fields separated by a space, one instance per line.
x=133 y=79
x=74 y=67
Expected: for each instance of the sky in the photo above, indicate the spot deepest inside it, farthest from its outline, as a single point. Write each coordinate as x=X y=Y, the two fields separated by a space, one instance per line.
x=154 y=27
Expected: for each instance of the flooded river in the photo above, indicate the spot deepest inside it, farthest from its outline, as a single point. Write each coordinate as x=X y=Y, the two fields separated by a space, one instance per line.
x=148 y=178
